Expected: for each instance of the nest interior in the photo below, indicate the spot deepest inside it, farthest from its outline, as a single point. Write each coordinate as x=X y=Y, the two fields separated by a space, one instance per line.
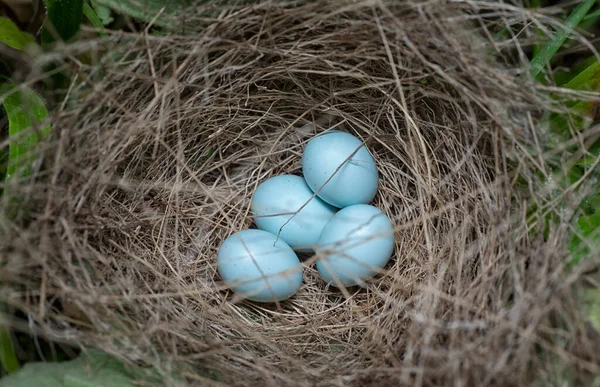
x=154 y=161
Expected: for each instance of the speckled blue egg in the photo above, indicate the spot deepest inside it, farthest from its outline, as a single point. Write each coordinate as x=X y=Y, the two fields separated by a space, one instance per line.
x=356 y=243
x=354 y=183
x=257 y=265
x=285 y=195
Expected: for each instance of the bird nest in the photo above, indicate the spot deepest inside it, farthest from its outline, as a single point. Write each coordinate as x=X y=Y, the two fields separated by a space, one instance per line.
x=154 y=159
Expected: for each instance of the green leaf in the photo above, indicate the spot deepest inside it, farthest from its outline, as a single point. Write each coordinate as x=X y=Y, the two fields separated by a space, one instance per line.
x=94 y=369
x=580 y=112
x=103 y=12
x=12 y=36
x=578 y=117
x=63 y=20
x=169 y=18
x=147 y=10
x=593 y=15
x=590 y=204
x=592 y=155
x=561 y=77
x=3 y=164
x=8 y=357
x=551 y=47
x=592 y=307
x=589 y=22
x=25 y=110
x=94 y=19
x=585 y=239
x=538 y=32
x=588 y=79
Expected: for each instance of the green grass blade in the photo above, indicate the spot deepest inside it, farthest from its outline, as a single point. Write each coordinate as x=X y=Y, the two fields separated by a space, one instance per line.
x=8 y=356
x=91 y=15
x=592 y=15
x=551 y=47
x=63 y=20
x=537 y=48
x=562 y=77
x=12 y=36
x=588 y=23
x=579 y=115
x=25 y=109
x=500 y=35
x=588 y=79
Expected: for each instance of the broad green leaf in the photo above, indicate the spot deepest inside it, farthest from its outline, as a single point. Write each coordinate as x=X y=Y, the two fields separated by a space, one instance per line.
x=147 y=10
x=12 y=36
x=25 y=110
x=91 y=15
x=586 y=238
x=551 y=47
x=94 y=369
x=63 y=19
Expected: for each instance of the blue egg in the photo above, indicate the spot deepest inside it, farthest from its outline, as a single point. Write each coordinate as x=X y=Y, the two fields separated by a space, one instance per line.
x=286 y=194
x=258 y=266
x=354 y=183
x=354 y=245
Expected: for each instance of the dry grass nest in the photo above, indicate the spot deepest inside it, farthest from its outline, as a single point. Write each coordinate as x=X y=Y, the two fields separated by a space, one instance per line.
x=155 y=156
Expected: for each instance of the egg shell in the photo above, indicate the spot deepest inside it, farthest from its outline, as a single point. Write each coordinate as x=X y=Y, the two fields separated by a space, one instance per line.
x=354 y=183
x=286 y=194
x=354 y=245
x=258 y=266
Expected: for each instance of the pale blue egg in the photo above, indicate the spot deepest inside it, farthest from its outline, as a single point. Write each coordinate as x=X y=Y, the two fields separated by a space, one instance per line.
x=354 y=183
x=354 y=245
x=285 y=195
x=256 y=265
